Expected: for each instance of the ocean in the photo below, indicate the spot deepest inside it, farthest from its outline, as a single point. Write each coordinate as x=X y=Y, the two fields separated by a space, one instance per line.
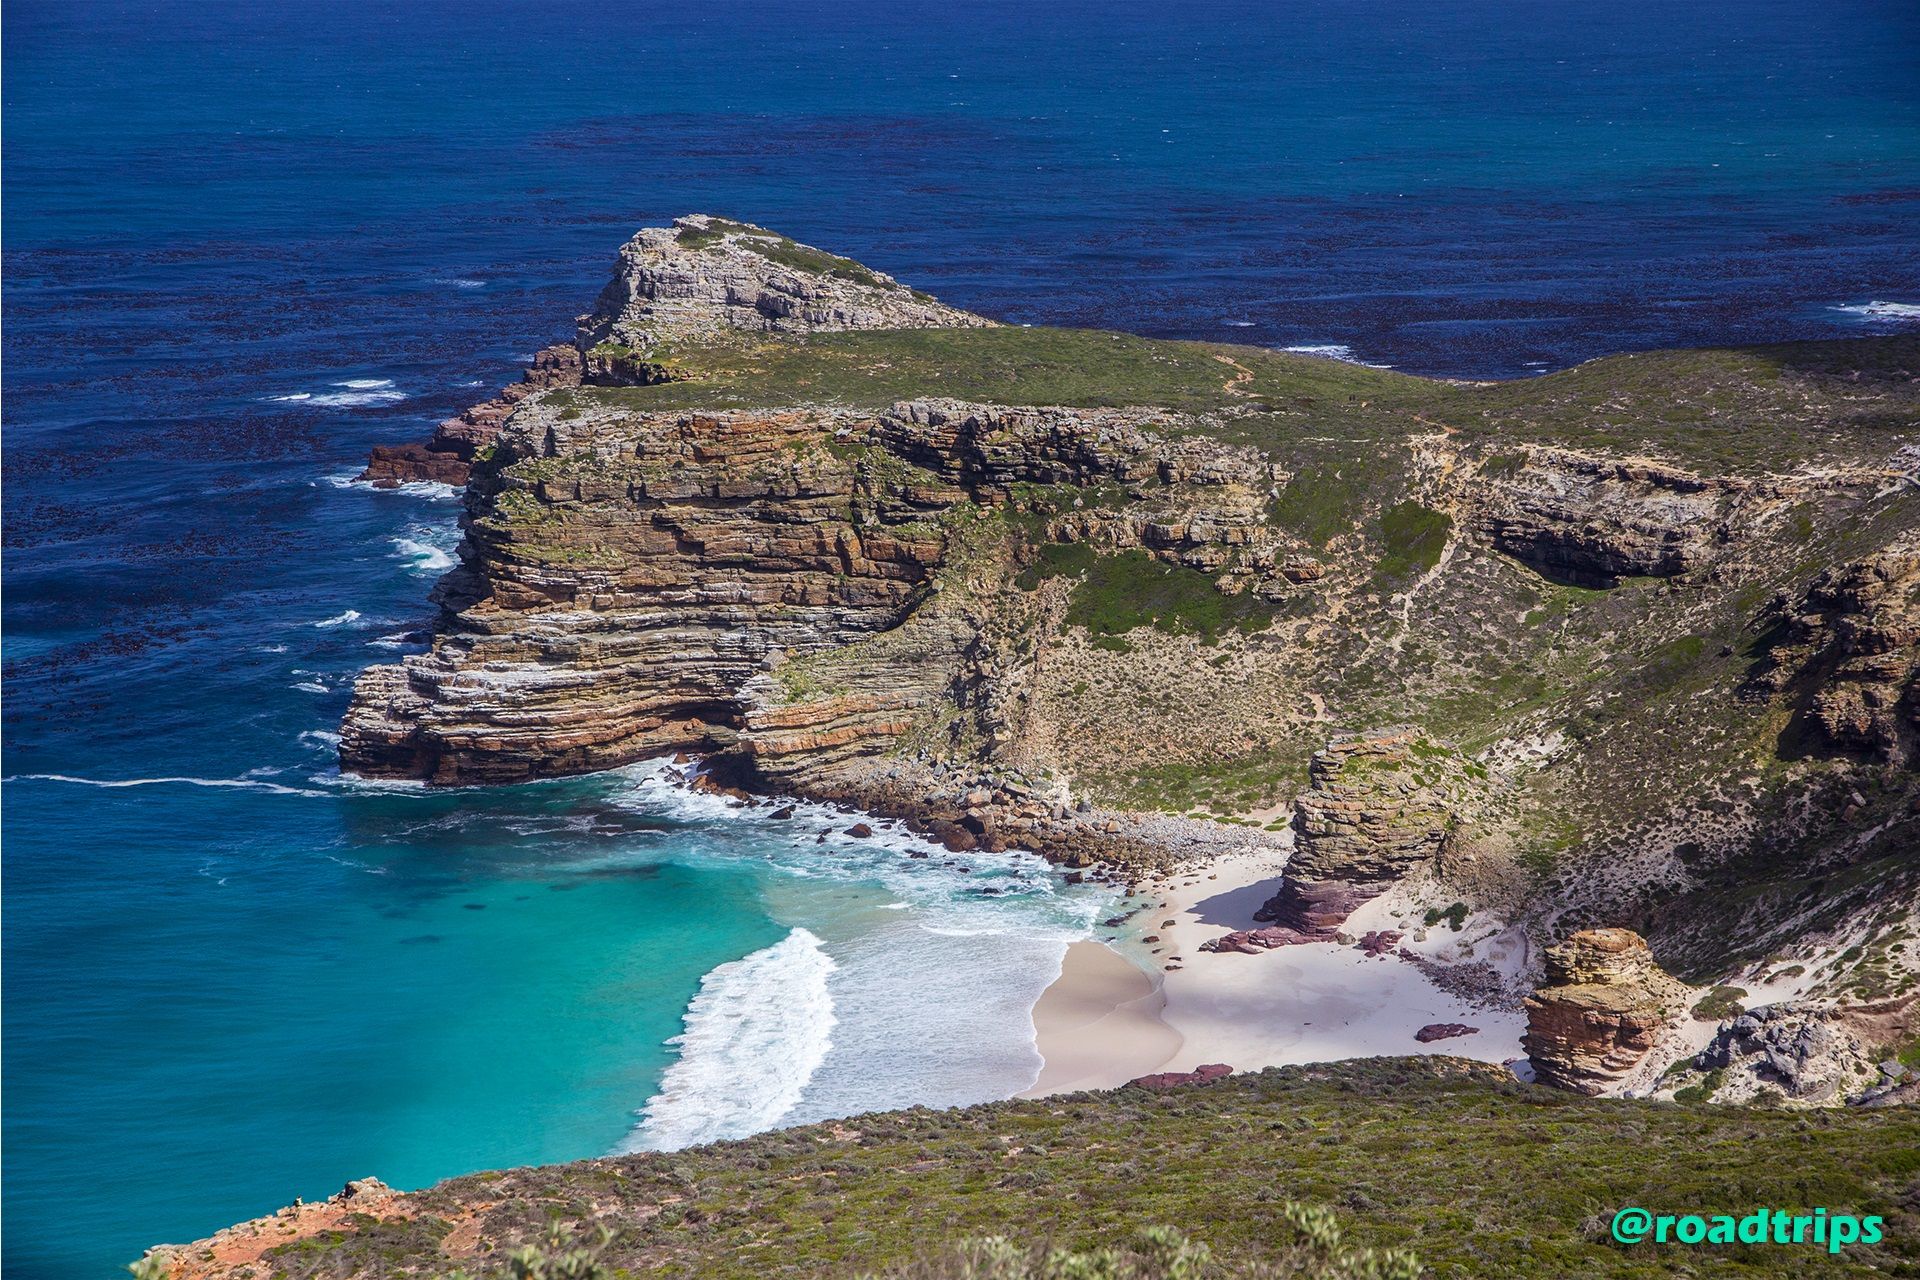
x=243 y=243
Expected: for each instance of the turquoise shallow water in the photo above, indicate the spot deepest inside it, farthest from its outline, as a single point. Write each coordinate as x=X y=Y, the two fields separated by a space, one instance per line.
x=244 y=243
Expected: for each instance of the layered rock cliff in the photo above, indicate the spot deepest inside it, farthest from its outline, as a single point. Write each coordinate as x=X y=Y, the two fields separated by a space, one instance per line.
x=1643 y=630
x=1600 y=1010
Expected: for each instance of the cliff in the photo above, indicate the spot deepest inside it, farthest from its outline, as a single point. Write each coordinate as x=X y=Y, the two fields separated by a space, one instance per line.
x=1633 y=643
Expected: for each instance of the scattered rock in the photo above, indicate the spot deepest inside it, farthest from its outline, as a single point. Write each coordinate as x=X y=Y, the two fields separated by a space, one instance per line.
x=1444 y=1031
x=1174 y=1079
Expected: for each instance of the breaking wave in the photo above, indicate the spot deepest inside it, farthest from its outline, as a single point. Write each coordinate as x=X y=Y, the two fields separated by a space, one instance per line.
x=1898 y=311
x=754 y=1035
x=352 y=393
x=1333 y=351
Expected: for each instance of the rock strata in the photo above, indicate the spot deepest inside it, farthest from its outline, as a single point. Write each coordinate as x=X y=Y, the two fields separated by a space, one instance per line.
x=1377 y=807
x=1848 y=652
x=1599 y=1012
x=1592 y=521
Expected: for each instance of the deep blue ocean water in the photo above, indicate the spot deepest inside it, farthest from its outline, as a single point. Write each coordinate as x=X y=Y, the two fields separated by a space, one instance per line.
x=245 y=242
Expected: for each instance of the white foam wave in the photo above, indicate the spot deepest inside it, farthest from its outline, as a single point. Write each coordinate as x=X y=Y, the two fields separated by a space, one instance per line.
x=420 y=553
x=1900 y=311
x=1333 y=351
x=399 y=640
x=352 y=393
x=460 y=282
x=755 y=1033
x=340 y=619
x=1241 y=324
x=238 y=784
x=310 y=686
x=325 y=738
x=431 y=490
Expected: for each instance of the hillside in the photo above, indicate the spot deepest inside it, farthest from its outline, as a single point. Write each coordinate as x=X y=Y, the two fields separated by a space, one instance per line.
x=1654 y=621
x=1477 y=1176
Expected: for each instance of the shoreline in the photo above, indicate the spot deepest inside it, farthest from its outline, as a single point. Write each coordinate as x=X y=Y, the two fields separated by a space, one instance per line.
x=1313 y=1002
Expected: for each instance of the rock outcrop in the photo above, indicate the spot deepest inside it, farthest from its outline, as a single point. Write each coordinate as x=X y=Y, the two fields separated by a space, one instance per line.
x=246 y=1249
x=1379 y=805
x=1164 y=1080
x=704 y=275
x=1592 y=521
x=1795 y=1054
x=1600 y=1010
x=447 y=456
x=1848 y=654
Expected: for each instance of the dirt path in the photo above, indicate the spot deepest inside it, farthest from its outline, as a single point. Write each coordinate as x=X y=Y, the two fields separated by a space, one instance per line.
x=1237 y=384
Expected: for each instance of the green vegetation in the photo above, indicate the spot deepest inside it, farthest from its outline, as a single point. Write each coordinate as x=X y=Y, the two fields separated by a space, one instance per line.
x=1740 y=410
x=1166 y=1253
x=1721 y=1002
x=1414 y=537
x=1708 y=1085
x=1479 y=1174
x=1085 y=367
x=1320 y=503
x=1455 y=916
x=1121 y=591
x=716 y=228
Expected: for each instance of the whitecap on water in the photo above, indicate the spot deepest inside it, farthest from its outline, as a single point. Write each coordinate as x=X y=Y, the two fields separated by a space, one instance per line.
x=350 y=393
x=1898 y=312
x=238 y=784
x=755 y=1033
x=340 y=619
x=1333 y=351
x=427 y=549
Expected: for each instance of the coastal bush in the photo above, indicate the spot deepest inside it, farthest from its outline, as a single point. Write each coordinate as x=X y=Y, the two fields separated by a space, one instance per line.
x=1316 y=1252
x=560 y=1255
x=1414 y=537
x=1721 y=1002
x=1134 y=589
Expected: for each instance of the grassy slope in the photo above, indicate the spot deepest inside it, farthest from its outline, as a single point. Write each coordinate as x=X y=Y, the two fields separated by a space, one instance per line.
x=1740 y=409
x=1481 y=1178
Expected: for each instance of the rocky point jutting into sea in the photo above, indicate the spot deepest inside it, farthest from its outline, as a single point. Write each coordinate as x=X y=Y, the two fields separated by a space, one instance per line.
x=1603 y=685
x=1633 y=644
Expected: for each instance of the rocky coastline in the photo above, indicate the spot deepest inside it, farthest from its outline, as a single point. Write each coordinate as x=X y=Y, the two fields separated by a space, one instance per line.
x=1009 y=620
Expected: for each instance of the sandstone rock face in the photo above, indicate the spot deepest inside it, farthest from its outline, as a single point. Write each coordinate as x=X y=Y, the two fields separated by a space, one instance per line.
x=1600 y=1010
x=1379 y=806
x=1851 y=650
x=705 y=275
x=692 y=281
x=447 y=457
x=1794 y=1053
x=1592 y=521
x=759 y=584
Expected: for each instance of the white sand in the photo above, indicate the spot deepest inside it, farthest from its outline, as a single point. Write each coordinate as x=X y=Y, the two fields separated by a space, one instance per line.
x=1316 y=1002
x=1099 y=1024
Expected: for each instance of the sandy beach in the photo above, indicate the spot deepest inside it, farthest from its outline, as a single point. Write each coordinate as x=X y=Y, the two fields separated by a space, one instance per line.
x=1100 y=1023
x=1106 y=1020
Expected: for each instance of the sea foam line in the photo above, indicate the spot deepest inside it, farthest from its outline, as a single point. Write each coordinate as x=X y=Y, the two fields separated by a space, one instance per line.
x=755 y=1033
x=239 y=784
